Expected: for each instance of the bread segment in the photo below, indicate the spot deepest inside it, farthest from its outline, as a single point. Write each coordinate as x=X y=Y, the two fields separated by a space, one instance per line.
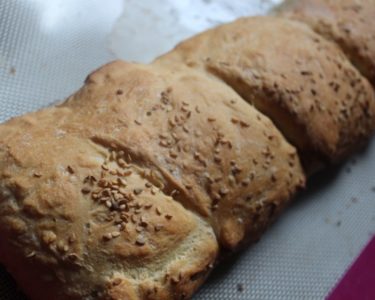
x=79 y=220
x=304 y=83
x=129 y=188
x=208 y=148
x=350 y=24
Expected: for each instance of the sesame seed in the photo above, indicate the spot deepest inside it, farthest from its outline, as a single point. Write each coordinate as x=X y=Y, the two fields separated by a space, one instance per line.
x=137 y=191
x=116 y=281
x=140 y=241
x=61 y=246
x=216 y=197
x=112 y=155
x=210 y=119
x=244 y=124
x=121 y=181
x=163 y=143
x=223 y=191
x=121 y=226
x=127 y=173
x=115 y=234
x=137 y=122
x=103 y=183
x=245 y=182
x=124 y=217
x=37 y=174
x=231 y=180
x=70 y=169
x=107 y=237
x=158 y=211
x=158 y=227
x=85 y=190
x=72 y=257
x=273 y=177
x=133 y=219
x=31 y=254
x=122 y=162
x=218 y=178
x=122 y=191
x=172 y=154
x=72 y=238
x=217 y=159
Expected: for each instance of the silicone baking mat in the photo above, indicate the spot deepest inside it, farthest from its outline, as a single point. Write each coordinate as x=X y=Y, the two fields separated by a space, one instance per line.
x=48 y=47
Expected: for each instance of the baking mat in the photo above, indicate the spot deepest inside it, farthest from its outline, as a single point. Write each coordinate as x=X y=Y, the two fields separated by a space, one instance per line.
x=48 y=47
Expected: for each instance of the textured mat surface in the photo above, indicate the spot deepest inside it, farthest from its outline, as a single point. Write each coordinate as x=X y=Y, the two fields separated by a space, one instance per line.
x=48 y=47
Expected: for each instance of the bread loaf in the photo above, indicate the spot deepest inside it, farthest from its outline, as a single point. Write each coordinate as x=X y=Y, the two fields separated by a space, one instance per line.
x=135 y=185
x=126 y=189
x=304 y=83
x=348 y=23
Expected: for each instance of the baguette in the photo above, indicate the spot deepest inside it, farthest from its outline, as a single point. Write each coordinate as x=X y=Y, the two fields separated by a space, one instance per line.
x=135 y=186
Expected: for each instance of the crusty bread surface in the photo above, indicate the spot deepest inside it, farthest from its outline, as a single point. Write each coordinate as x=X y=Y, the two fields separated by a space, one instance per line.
x=303 y=82
x=127 y=190
x=348 y=23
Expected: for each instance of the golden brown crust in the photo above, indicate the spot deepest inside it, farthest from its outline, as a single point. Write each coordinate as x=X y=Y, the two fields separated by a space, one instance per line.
x=301 y=81
x=117 y=193
x=201 y=155
x=349 y=23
